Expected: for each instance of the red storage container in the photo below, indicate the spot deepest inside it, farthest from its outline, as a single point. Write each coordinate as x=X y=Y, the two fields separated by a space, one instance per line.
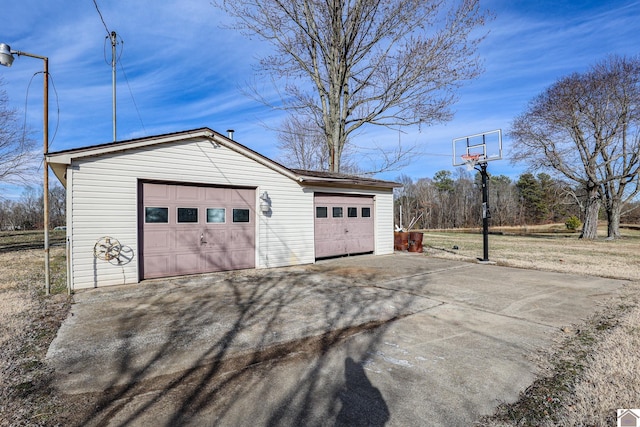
x=415 y=241
x=400 y=241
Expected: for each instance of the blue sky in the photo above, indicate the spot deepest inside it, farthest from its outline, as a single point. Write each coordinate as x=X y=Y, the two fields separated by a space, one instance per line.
x=185 y=72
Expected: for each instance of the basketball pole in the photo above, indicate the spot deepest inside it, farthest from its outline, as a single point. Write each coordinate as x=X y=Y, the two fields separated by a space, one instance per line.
x=473 y=152
x=486 y=214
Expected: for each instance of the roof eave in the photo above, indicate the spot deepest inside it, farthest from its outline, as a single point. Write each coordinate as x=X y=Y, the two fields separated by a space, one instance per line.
x=330 y=182
x=67 y=156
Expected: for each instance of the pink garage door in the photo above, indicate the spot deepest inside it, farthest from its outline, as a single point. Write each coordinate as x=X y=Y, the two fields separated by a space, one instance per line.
x=188 y=229
x=343 y=225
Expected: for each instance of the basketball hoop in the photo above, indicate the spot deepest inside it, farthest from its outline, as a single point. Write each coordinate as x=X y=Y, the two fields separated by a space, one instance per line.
x=470 y=160
x=477 y=149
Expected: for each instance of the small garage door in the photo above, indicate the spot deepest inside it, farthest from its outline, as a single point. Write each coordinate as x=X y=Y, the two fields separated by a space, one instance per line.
x=343 y=225
x=188 y=229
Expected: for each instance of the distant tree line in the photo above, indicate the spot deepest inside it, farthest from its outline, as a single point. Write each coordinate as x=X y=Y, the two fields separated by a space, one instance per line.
x=27 y=212
x=454 y=200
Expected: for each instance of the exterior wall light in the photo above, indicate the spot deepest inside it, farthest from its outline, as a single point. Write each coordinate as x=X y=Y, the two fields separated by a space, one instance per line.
x=265 y=203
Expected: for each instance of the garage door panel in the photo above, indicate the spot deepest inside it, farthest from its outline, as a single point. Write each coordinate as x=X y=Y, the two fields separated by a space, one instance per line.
x=157 y=239
x=241 y=237
x=242 y=196
x=187 y=262
x=344 y=230
x=360 y=236
x=206 y=240
x=327 y=248
x=217 y=261
x=240 y=258
x=187 y=239
x=215 y=239
x=157 y=265
x=212 y=194
x=360 y=245
x=157 y=192
x=187 y=193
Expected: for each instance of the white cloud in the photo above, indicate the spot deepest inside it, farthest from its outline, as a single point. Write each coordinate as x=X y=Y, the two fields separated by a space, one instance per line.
x=185 y=71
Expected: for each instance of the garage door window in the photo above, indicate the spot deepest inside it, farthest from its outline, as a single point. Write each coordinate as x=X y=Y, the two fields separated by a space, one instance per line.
x=187 y=215
x=216 y=215
x=337 y=212
x=321 y=212
x=241 y=215
x=153 y=215
x=366 y=212
x=352 y=212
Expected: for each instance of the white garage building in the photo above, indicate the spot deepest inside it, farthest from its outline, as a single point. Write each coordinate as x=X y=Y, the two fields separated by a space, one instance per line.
x=198 y=202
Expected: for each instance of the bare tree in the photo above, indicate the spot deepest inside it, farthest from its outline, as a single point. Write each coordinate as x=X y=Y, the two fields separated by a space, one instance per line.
x=349 y=63
x=29 y=208
x=425 y=201
x=16 y=149
x=584 y=127
x=469 y=197
x=302 y=145
x=405 y=201
x=57 y=205
x=619 y=170
x=504 y=201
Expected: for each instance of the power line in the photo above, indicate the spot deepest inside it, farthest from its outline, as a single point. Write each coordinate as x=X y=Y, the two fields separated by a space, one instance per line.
x=101 y=18
x=135 y=104
x=55 y=132
x=26 y=109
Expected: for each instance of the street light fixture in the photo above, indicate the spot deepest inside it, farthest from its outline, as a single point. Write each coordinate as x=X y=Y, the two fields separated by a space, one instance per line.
x=6 y=59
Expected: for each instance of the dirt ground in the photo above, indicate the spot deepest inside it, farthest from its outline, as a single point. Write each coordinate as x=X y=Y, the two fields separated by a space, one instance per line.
x=29 y=322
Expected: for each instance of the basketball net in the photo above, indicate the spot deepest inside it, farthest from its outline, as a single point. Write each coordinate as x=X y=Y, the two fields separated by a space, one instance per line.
x=470 y=160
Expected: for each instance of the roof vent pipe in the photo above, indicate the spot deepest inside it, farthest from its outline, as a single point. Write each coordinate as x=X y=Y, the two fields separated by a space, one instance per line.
x=230 y=134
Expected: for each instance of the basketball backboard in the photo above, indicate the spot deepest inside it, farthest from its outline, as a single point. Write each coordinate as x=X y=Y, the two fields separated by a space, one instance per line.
x=478 y=148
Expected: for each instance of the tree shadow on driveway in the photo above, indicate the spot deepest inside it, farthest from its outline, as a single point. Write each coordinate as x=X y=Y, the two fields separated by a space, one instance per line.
x=260 y=347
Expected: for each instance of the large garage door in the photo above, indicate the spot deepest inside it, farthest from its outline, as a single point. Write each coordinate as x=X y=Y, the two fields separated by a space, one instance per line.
x=189 y=229
x=343 y=225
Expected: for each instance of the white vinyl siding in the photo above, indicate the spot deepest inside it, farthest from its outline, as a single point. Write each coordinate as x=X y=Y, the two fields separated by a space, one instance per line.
x=383 y=217
x=104 y=202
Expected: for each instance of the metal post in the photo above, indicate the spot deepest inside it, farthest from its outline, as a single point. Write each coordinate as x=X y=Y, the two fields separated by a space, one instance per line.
x=7 y=60
x=47 y=276
x=485 y=213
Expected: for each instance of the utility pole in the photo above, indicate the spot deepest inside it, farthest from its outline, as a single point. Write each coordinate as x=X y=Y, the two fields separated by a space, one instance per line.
x=114 y=39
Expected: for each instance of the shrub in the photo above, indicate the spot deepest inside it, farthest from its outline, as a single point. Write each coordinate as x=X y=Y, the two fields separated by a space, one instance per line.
x=573 y=223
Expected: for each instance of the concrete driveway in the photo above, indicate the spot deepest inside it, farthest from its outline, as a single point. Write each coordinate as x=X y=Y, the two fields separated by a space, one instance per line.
x=396 y=340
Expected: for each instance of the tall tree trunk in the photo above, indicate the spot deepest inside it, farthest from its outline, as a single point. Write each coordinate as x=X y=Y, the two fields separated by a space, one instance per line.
x=613 y=219
x=335 y=148
x=591 y=211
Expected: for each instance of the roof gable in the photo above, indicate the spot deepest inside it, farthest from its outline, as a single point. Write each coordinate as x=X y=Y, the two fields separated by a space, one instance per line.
x=59 y=160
